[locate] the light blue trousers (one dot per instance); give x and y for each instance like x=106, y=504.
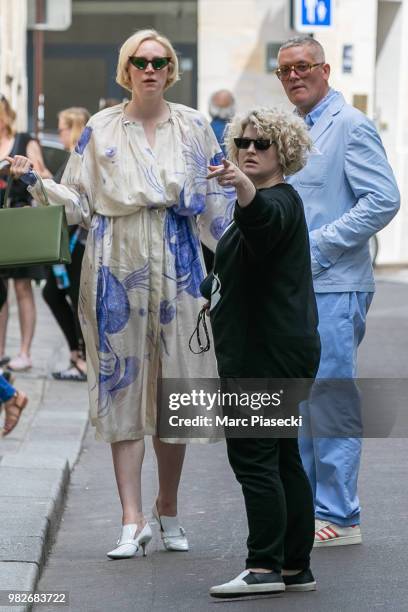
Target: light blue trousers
x=332, y=464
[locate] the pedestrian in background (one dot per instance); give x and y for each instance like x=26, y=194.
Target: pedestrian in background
x=349, y=193
x=12, y=143
x=222, y=110
x=11, y=400
x=264, y=320
x=61, y=291
x=108, y=102
x=137, y=180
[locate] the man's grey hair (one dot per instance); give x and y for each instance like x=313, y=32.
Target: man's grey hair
x=303, y=41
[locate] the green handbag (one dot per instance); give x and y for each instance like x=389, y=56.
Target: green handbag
x=33, y=235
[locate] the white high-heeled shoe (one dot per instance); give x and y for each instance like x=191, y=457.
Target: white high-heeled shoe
x=172, y=533
x=128, y=545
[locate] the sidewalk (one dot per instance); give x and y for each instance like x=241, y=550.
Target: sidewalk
x=36, y=458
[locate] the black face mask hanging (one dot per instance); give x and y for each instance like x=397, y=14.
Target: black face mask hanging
x=196, y=333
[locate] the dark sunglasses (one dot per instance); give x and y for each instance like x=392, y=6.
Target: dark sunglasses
x=141, y=63
x=260, y=144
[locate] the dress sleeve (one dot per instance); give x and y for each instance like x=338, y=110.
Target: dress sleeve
x=211, y=204
x=220, y=201
x=76, y=189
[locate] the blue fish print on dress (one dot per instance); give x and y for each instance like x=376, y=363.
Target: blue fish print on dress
x=112, y=314
x=219, y=224
x=193, y=195
x=186, y=248
x=99, y=226
x=167, y=312
x=217, y=159
x=115, y=374
x=196, y=204
x=84, y=138
x=195, y=191
x=110, y=152
x=152, y=180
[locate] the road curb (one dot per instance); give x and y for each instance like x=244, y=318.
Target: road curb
x=34, y=483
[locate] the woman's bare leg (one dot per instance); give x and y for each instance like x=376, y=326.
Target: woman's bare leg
x=26, y=313
x=170, y=458
x=127, y=462
x=3, y=328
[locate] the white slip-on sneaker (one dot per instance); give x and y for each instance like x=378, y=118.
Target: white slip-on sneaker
x=329, y=534
x=250, y=583
x=128, y=545
x=172, y=533
x=300, y=582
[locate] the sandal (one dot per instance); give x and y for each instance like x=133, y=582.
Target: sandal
x=73, y=373
x=13, y=409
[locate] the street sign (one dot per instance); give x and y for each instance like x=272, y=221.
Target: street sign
x=312, y=15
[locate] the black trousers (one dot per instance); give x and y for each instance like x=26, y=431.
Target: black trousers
x=66, y=312
x=278, y=500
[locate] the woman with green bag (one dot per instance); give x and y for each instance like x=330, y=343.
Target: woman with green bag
x=137, y=182
x=19, y=143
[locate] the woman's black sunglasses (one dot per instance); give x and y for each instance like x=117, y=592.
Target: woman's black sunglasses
x=141, y=63
x=260, y=144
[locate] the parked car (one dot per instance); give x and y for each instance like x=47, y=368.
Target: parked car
x=53, y=152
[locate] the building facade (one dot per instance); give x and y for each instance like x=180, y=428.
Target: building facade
x=221, y=44
x=238, y=41
x=13, y=67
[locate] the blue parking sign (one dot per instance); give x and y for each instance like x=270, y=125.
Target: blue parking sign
x=312, y=15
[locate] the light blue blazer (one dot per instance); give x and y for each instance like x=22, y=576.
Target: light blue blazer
x=349, y=193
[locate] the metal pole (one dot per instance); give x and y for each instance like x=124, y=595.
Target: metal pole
x=38, y=102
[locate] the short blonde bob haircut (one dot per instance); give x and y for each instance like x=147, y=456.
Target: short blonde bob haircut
x=286, y=130
x=129, y=48
x=7, y=115
x=75, y=119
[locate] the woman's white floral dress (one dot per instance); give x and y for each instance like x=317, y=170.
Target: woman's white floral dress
x=146, y=210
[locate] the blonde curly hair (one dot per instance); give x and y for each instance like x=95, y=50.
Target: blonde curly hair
x=288, y=132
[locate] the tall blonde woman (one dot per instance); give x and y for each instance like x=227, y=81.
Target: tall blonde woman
x=71, y=122
x=19, y=143
x=137, y=180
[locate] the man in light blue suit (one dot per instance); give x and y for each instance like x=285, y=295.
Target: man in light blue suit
x=349, y=193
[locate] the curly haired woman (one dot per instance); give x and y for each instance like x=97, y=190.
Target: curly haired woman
x=264, y=319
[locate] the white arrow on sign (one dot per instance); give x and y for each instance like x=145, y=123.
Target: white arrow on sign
x=321, y=11
x=310, y=10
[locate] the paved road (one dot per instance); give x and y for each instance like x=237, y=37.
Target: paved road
x=355, y=578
